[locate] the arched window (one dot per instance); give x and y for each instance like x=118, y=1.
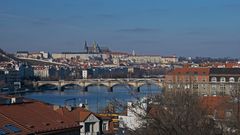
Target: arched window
x=214, y=79
x=231, y=79
x=222, y=79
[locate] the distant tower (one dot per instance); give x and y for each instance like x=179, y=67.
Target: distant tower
x=95, y=46
x=133, y=53
x=85, y=46
x=98, y=49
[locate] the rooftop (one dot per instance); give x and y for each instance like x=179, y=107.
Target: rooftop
x=233, y=71
x=35, y=116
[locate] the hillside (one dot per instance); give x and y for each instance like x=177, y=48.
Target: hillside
x=6, y=57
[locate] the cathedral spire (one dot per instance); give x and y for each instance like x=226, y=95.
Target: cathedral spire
x=85, y=46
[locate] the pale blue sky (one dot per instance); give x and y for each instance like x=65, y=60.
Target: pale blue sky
x=164, y=27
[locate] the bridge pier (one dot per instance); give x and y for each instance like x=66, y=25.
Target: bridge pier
x=60, y=88
x=85, y=89
x=35, y=86
x=136, y=89
x=110, y=89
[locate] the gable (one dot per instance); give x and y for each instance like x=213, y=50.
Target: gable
x=92, y=118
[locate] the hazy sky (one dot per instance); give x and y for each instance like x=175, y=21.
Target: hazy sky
x=164, y=27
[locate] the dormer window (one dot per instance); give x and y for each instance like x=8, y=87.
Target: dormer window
x=214, y=79
x=222, y=79
x=231, y=80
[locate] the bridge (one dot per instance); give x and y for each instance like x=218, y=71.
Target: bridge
x=133, y=83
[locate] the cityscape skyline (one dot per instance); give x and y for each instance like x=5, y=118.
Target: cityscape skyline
x=185, y=28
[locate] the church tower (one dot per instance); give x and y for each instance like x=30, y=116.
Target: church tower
x=86, y=47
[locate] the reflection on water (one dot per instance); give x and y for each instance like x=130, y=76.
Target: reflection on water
x=97, y=97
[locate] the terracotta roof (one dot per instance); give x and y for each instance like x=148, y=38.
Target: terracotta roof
x=104, y=117
x=183, y=71
x=37, y=117
x=77, y=114
x=216, y=104
x=6, y=121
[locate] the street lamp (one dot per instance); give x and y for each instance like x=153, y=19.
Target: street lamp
x=110, y=70
x=93, y=73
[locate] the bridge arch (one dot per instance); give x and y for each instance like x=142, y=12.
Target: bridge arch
x=63, y=87
x=85, y=88
x=141, y=83
x=125, y=85
x=149, y=87
x=49, y=86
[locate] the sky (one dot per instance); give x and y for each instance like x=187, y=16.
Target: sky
x=208, y=28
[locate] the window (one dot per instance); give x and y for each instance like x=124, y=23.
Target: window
x=3, y=132
x=222, y=79
x=195, y=78
x=222, y=87
x=204, y=79
x=87, y=127
x=12, y=128
x=214, y=87
x=228, y=114
x=231, y=80
x=239, y=79
x=214, y=79
x=104, y=126
x=187, y=86
x=195, y=86
x=187, y=78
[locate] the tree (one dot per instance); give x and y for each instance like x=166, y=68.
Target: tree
x=175, y=114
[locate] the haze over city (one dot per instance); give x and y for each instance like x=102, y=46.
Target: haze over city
x=184, y=28
x=119, y=67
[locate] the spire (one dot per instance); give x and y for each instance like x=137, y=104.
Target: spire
x=85, y=46
x=133, y=53
x=98, y=48
x=94, y=44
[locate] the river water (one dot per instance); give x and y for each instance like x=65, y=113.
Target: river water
x=96, y=98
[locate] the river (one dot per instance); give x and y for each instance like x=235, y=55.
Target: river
x=97, y=97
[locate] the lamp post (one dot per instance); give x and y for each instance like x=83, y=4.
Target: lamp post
x=110, y=70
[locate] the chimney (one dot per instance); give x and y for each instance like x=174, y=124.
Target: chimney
x=56, y=107
x=69, y=108
x=13, y=100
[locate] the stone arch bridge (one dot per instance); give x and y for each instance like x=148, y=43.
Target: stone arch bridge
x=134, y=83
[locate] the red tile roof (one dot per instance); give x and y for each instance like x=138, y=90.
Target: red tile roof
x=77, y=114
x=5, y=120
x=183, y=71
x=37, y=117
x=216, y=104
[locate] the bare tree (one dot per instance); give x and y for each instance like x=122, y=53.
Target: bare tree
x=175, y=114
